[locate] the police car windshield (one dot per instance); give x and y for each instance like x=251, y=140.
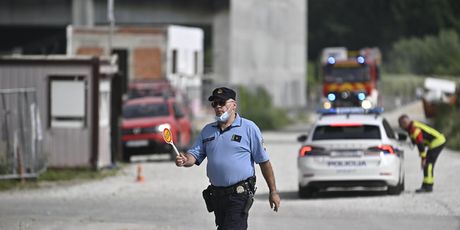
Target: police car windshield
x=145, y=110
x=349, y=74
x=327, y=132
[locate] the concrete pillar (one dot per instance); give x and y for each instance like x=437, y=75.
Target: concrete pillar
x=268, y=48
x=83, y=13
x=221, y=47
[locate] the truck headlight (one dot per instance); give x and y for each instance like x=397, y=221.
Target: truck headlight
x=161, y=127
x=366, y=104
x=327, y=105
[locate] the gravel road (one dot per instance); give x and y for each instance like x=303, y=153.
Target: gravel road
x=170, y=198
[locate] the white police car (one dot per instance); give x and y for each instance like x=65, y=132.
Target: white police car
x=350, y=148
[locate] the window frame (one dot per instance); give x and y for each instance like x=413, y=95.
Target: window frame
x=388, y=130
x=67, y=78
x=321, y=137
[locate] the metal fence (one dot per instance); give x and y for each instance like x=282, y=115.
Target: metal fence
x=21, y=137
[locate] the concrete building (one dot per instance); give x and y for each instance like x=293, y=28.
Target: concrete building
x=250, y=42
x=173, y=53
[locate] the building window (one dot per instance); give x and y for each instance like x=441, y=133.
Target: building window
x=174, y=61
x=67, y=101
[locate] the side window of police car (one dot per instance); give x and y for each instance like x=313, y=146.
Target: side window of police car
x=388, y=130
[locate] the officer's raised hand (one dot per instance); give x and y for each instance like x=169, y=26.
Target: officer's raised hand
x=181, y=160
x=185, y=160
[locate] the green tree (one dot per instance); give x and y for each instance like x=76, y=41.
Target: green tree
x=360, y=23
x=428, y=55
x=257, y=106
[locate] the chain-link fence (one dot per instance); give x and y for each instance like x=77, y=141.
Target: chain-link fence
x=21, y=137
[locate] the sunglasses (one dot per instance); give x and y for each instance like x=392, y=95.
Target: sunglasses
x=220, y=103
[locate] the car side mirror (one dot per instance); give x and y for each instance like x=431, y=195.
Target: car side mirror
x=302, y=138
x=402, y=136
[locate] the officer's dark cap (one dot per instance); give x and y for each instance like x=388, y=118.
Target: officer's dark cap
x=222, y=93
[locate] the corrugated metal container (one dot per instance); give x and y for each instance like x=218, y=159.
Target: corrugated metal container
x=69, y=94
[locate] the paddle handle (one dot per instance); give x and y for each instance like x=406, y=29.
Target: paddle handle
x=175, y=149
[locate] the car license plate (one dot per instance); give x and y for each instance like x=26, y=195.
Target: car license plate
x=346, y=153
x=139, y=143
x=345, y=171
x=346, y=164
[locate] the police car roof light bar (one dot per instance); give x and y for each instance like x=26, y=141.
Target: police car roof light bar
x=350, y=110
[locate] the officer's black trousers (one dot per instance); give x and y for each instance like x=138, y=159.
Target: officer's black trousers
x=428, y=170
x=229, y=212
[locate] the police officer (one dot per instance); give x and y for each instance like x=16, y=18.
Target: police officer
x=231, y=145
x=429, y=142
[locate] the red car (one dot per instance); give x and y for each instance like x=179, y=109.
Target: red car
x=143, y=122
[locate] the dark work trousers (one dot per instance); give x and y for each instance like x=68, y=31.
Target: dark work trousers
x=428, y=170
x=229, y=212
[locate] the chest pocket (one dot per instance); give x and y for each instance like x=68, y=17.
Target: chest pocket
x=209, y=144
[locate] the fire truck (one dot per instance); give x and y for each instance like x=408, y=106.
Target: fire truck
x=350, y=78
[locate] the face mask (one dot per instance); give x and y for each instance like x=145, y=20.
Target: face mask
x=223, y=118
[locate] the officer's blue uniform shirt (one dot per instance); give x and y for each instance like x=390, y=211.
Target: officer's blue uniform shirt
x=231, y=153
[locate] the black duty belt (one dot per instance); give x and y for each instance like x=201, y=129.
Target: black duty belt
x=238, y=188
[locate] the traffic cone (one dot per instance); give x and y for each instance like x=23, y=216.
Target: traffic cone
x=140, y=176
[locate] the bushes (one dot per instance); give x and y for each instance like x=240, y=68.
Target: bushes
x=400, y=84
x=257, y=106
x=429, y=55
x=449, y=124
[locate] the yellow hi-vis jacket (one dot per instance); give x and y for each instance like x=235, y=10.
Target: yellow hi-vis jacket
x=424, y=136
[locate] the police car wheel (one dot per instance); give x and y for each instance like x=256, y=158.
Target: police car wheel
x=403, y=187
x=307, y=191
x=396, y=190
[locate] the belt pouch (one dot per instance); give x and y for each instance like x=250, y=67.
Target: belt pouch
x=208, y=199
x=249, y=203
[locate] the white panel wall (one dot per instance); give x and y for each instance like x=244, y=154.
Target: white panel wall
x=188, y=42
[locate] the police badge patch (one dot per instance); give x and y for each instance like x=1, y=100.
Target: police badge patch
x=236, y=138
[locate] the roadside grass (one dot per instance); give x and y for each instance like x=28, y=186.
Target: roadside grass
x=406, y=84
x=59, y=176
x=403, y=85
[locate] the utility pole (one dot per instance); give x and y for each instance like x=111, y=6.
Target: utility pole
x=111, y=19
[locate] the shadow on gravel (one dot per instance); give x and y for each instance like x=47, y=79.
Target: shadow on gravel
x=293, y=195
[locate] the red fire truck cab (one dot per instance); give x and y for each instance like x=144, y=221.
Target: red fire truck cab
x=350, y=78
